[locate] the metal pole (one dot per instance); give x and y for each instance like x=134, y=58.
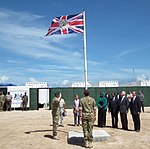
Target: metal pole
x=85, y=59
x=133, y=74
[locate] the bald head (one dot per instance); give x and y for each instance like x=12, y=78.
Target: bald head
x=123, y=93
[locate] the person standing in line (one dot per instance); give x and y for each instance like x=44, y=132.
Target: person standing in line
x=129, y=96
x=135, y=108
x=141, y=96
x=88, y=116
x=2, y=100
x=62, y=110
x=118, y=96
x=55, y=114
x=8, y=101
x=124, y=106
x=107, y=95
x=76, y=111
x=102, y=108
x=24, y=102
x=114, y=109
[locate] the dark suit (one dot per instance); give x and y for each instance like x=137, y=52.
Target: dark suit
x=114, y=109
x=135, y=108
x=124, y=105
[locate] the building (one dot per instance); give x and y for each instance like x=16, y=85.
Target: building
x=108, y=84
x=143, y=83
x=81, y=84
x=37, y=84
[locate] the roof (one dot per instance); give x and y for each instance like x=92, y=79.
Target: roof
x=7, y=84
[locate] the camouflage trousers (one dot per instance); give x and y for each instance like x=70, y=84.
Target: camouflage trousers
x=24, y=105
x=8, y=105
x=55, y=124
x=87, y=125
x=1, y=106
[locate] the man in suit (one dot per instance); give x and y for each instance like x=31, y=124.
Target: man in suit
x=113, y=107
x=135, y=108
x=124, y=106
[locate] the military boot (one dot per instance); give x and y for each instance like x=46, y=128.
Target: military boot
x=56, y=138
x=90, y=144
x=86, y=144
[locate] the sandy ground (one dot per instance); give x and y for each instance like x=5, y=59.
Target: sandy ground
x=33, y=130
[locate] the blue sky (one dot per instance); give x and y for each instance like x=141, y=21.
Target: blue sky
x=118, y=40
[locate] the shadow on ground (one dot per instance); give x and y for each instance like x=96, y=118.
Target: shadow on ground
x=34, y=131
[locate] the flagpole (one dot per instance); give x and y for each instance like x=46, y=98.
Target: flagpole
x=84, y=48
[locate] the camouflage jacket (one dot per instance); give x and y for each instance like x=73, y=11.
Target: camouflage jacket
x=2, y=98
x=87, y=107
x=25, y=98
x=55, y=106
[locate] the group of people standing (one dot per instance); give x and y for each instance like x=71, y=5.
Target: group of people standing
x=83, y=109
x=6, y=101
x=122, y=103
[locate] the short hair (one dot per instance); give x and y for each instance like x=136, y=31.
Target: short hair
x=57, y=93
x=113, y=93
x=86, y=93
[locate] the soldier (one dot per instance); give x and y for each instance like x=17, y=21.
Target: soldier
x=24, y=102
x=8, y=101
x=55, y=114
x=88, y=116
x=2, y=100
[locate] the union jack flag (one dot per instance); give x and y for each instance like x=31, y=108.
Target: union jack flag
x=67, y=24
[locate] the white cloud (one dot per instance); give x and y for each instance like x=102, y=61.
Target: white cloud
x=126, y=52
x=143, y=77
x=24, y=38
x=3, y=78
x=33, y=80
x=65, y=83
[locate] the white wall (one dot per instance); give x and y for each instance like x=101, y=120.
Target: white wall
x=44, y=96
x=17, y=92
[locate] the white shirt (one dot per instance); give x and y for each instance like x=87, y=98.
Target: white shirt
x=134, y=98
x=76, y=104
x=114, y=99
x=122, y=98
x=62, y=103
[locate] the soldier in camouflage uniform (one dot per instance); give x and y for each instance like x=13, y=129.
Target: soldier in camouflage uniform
x=2, y=100
x=24, y=102
x=8, y=100
x=55, y=114
x=88, y=116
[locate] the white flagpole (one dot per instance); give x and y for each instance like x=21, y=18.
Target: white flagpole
x=84, y=47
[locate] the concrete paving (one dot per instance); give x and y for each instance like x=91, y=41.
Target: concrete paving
x=76, y=137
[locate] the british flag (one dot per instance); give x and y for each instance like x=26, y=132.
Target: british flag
x=67, y=24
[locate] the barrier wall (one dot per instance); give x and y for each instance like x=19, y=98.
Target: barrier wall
x=69, y=93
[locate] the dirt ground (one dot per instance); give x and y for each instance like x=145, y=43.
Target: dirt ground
x=33, y=130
